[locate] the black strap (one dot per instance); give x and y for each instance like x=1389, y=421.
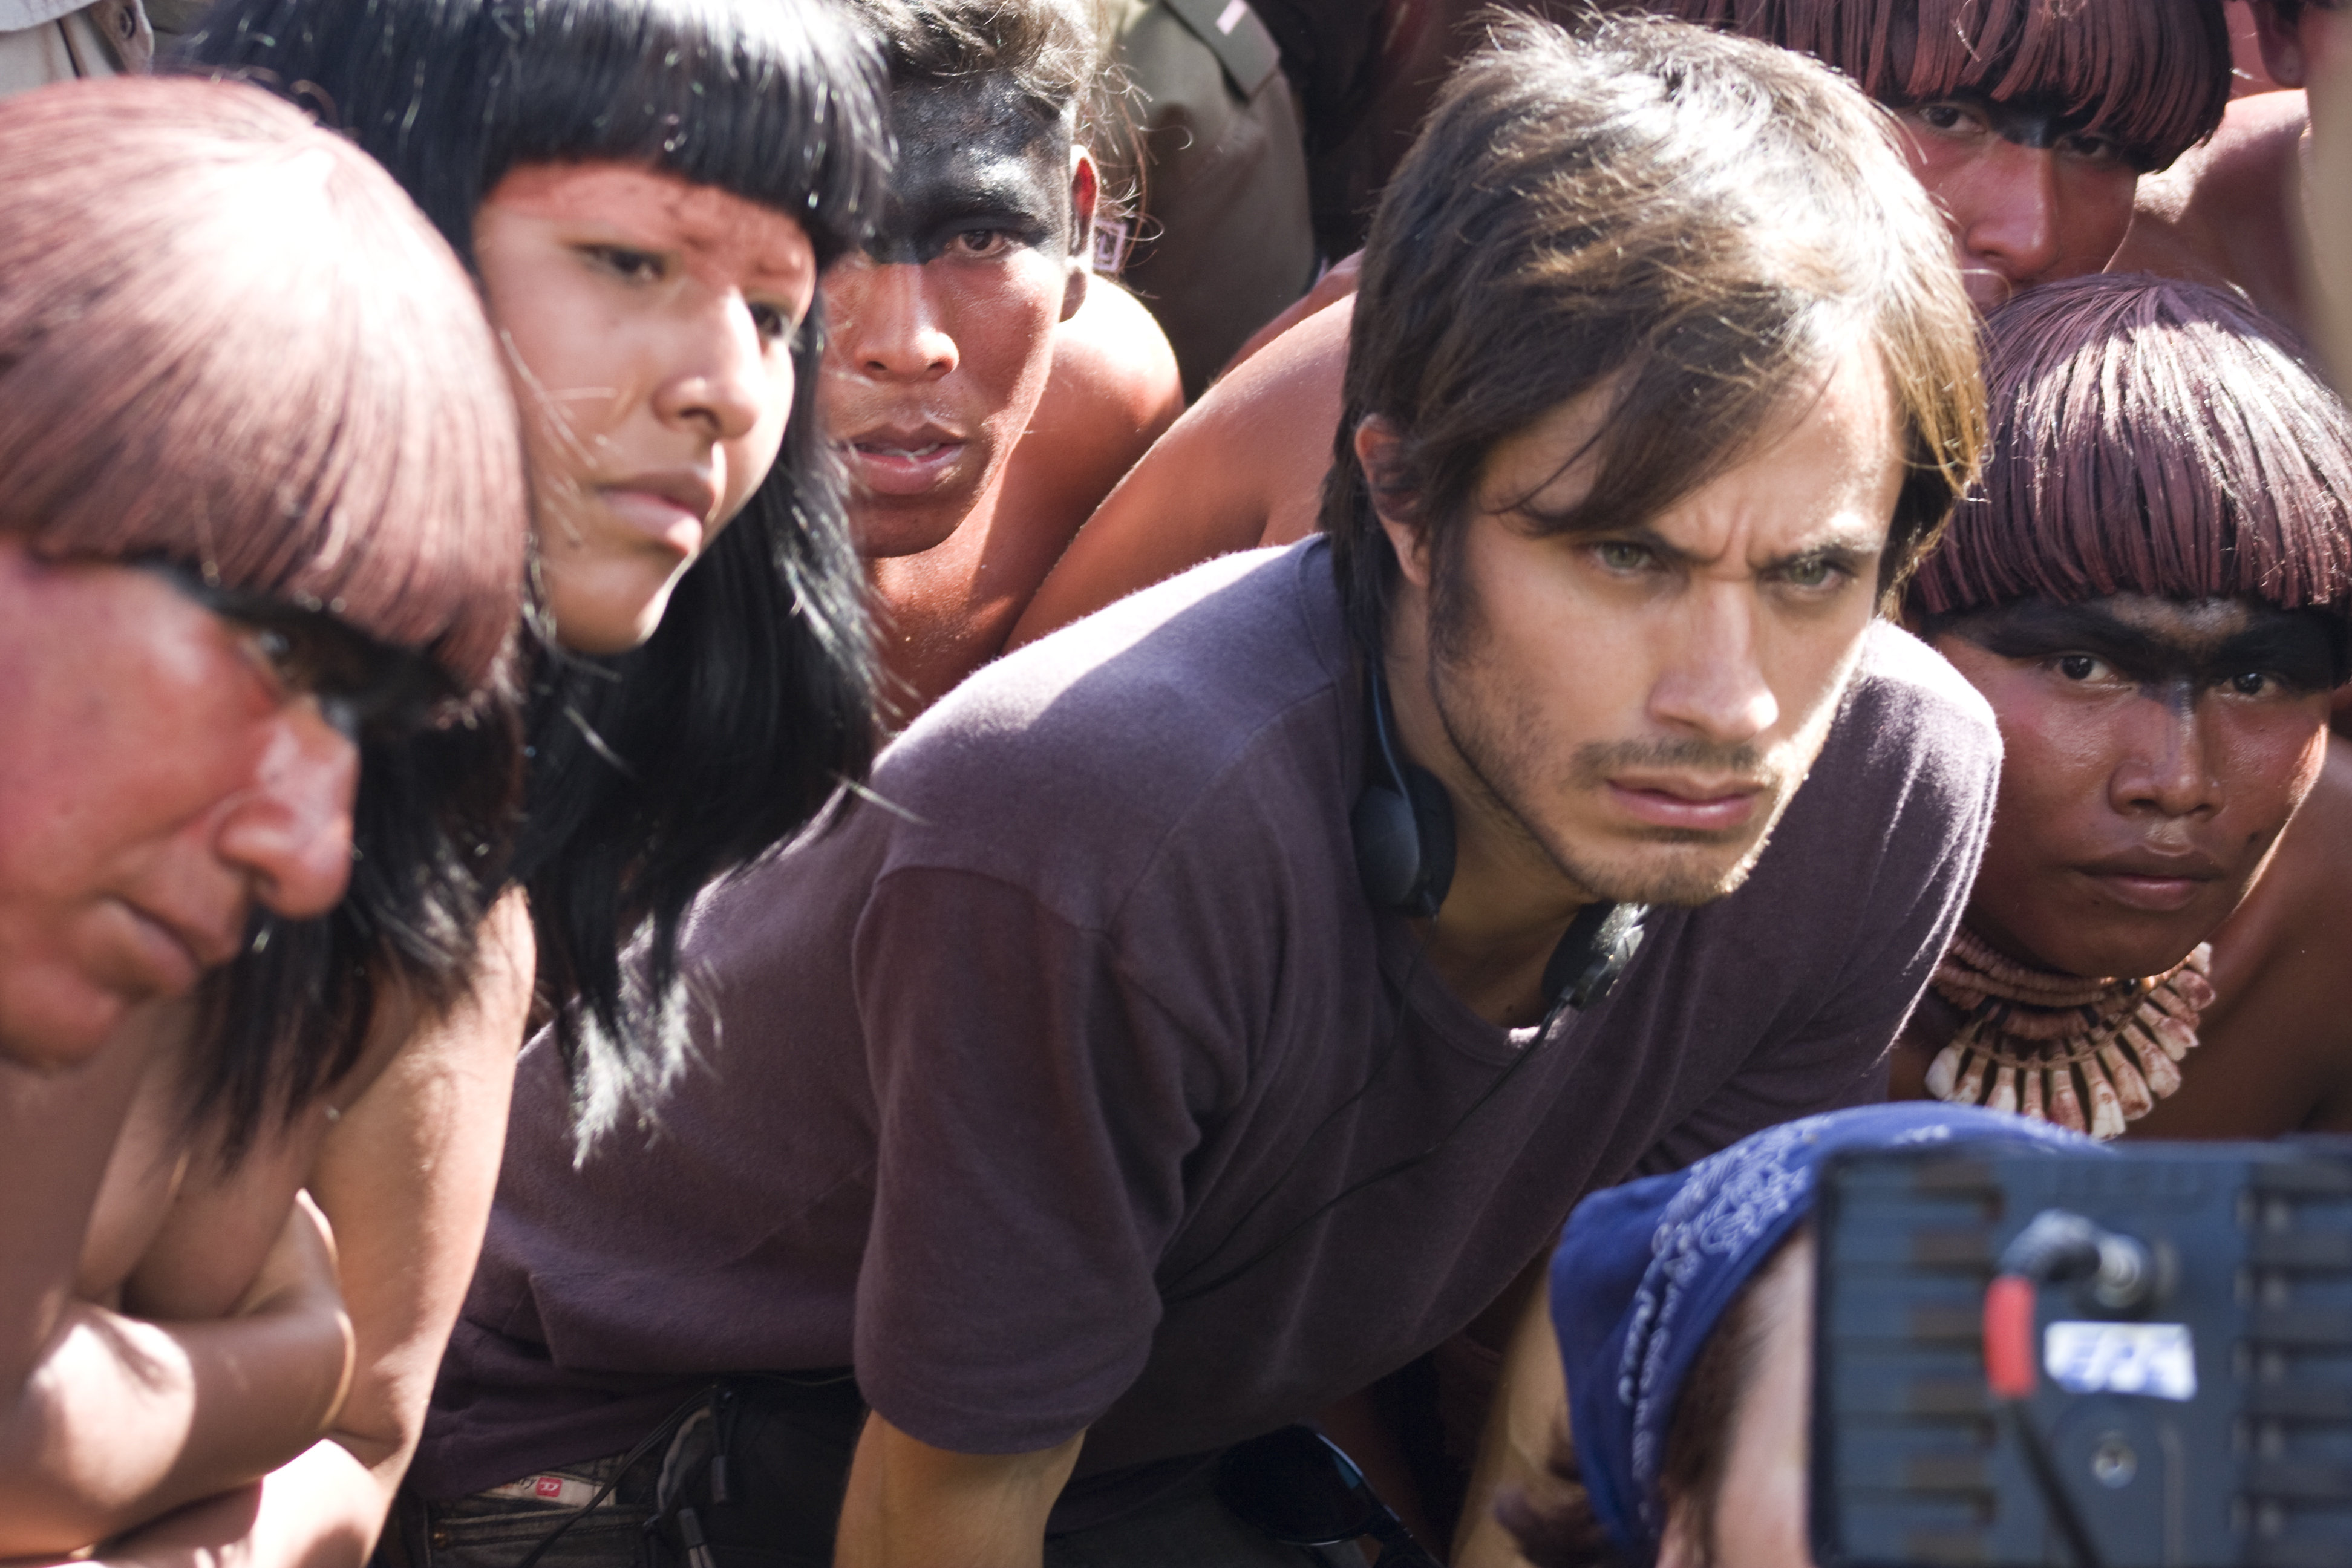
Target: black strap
x=1234, y=33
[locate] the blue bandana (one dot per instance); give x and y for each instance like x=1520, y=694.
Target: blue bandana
x=1645, y=1270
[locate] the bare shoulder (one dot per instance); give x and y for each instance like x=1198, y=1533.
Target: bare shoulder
x=2224, y=213
x=1244, y=465
x=2277, y=1043
x=1282, y=409
x=1112, y=364
x=223, y=1217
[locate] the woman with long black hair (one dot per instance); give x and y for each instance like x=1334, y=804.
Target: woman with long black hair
x=646, y=192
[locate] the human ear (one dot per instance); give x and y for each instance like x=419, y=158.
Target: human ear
x=1378, y=446
x=1085, y=186
x=2282, y=45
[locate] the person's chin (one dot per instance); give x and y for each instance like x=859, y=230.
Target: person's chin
x=611, y=611
x=2096, y=944
x=886, y=528
x=54, y=1022
x=1662, y=865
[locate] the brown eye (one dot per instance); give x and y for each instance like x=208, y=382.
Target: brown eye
x=2252, y=683
x=774, y=323
x=983, y=242
x=2091, y=149
x=2077, y=666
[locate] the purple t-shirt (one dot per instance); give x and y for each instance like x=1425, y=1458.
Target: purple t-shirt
x=1032, y=1089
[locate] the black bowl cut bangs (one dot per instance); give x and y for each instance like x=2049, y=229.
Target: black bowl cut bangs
x=778, y=101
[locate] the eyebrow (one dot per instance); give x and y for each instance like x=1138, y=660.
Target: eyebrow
x=1839, y=548
x=2276, y=641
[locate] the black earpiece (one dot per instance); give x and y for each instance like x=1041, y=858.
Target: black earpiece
x=1404, y=829
x=1404, y=822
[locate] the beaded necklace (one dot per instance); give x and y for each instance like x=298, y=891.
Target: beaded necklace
x=2041, y=1045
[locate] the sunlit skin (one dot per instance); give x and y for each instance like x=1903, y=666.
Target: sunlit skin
x=2030, y=196
x=942, y=331
x=2232, y=211
x=984, y=394
x=2159, y=758
x=1732, y=621
x=648, y=326
x=123, y=881
x=1760, y=1509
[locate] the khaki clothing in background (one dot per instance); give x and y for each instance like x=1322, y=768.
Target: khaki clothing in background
x=42, y=41
x=1223, y=241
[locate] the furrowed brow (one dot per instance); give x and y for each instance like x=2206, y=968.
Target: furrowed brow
x=1837, y=550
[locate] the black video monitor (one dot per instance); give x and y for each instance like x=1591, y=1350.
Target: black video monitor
x=2126, y=1359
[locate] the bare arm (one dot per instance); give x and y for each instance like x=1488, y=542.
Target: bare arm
x=1523, y=1427
x=910, y=1505
x=407, y=1176
x=109, y=1418
x=1243, y=466
x=125, y=1419
x=2328, y=40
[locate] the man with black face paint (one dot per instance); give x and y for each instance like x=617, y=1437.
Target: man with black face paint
x=984, y=391
x=2143, y=946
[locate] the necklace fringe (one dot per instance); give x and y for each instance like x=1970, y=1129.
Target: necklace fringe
x=2049, y=1045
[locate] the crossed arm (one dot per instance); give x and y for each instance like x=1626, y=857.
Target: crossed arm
x=294, y=1418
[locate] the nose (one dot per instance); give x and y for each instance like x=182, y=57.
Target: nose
x=1712, y=685
x=289, y=829
x=2164, y=768
x=885, y=323
x=718, y=379
x=2005, y=219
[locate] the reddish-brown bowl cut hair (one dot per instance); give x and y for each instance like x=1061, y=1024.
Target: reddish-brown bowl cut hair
x=2150, y=437
x=2152, y=74
x=228, y=337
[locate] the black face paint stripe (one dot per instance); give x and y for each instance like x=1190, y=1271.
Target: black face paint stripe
x=2032, y=122
x=973, y=156
x=2302, y=647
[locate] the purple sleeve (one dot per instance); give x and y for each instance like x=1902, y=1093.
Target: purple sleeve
x=1034, y=1112
x=1926, y=857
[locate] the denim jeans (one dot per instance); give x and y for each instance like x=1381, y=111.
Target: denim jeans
x=1188, y=1530
x=497, y=1528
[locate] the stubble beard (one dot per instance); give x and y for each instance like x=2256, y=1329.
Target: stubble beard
x=1500, y=743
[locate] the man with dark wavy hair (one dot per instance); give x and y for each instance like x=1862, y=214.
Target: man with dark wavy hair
x=1209, y=1009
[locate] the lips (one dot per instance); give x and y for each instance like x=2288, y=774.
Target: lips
x=2159, y=884
x=670, y=508
x=176, y=951
x=1689, y=805
x=900, y=460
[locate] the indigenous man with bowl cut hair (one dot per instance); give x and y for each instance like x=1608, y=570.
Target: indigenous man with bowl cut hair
x=262, y=524
x=984, y=391
x=1210, y=1010
x=2152, y=590
x=2030, y=122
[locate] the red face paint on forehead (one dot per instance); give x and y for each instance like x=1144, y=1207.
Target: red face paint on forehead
x=717, y=232
x=650, y=323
